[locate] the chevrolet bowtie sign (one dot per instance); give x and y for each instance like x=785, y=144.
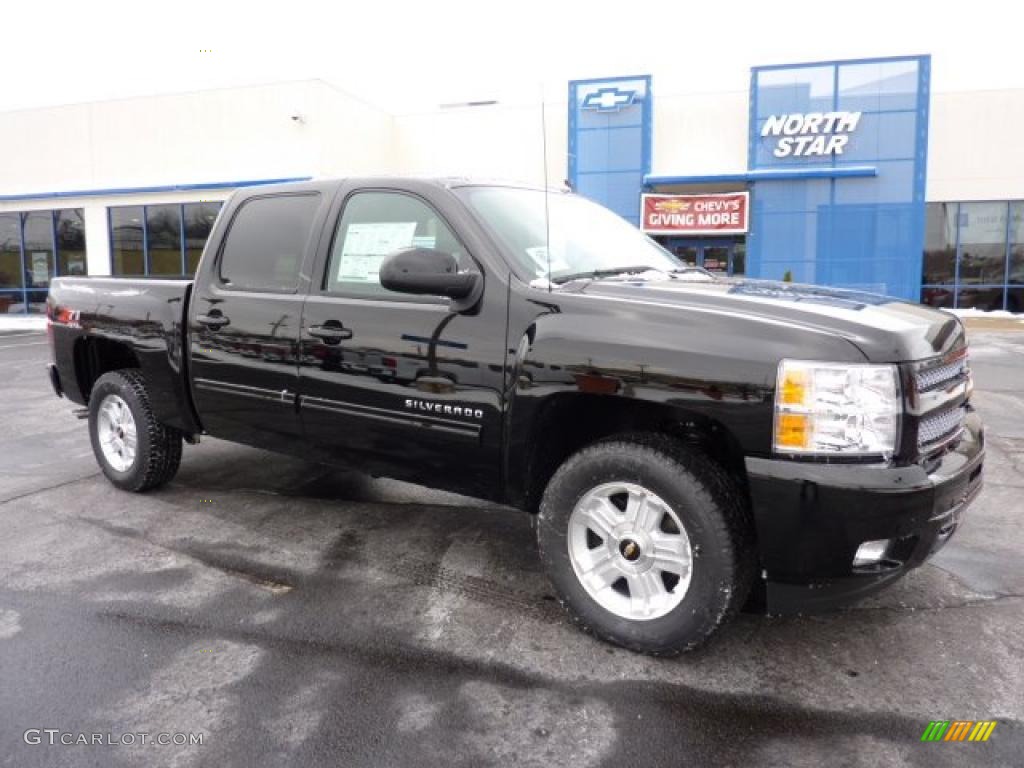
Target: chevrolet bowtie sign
x=811, y=134
x=608, y=100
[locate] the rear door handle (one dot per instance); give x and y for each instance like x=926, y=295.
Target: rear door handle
x=212, y=320
x=331, y=332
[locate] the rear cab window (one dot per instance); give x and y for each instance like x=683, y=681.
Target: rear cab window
x=266, y=243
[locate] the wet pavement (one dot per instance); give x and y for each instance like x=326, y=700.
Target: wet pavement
x=298, y=615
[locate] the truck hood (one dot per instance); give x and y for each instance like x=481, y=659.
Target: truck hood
x=886, y=330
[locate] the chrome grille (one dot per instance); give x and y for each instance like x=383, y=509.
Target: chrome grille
x=942, y=374
x=941, y=426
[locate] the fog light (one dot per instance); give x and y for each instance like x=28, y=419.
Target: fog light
x=870, y=552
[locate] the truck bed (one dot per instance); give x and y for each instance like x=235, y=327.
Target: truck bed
x=146, y=314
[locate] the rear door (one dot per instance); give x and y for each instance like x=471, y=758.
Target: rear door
x=245, y=315
x=396, y=384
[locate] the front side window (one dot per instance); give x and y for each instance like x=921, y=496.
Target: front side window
x=266, y=243
x=566, y=232
x=375, y=224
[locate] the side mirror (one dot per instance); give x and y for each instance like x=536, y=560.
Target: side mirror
x=427, y=271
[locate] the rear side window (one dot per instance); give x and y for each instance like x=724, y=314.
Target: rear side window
x=266, y=242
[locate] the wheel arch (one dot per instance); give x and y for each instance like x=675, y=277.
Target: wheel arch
x=563, y=423
x=95, y=356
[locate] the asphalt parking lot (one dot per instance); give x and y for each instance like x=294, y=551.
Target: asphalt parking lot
x=296, y=615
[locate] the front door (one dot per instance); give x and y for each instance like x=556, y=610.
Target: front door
x=395, y=384
x=244, y=321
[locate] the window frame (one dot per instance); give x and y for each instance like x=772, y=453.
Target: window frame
x=215, y=268
x=321, y=285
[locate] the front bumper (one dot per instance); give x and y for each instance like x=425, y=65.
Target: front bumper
x=811, y=519
x=54, y=375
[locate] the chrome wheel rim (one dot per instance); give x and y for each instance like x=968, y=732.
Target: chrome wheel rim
x=630, y=551
x=117, y=433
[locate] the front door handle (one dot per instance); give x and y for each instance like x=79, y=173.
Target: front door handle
x=331, y=332
x=212, y=320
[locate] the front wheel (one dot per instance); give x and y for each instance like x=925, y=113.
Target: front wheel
x=134, y=450
x=647, y=542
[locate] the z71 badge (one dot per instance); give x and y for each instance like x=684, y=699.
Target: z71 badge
x=443, y=409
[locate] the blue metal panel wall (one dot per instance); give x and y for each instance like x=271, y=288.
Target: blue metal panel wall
x=864, y=233
x=610, y=130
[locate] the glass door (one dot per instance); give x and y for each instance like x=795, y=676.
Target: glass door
x=720, y=255
x=715, y=258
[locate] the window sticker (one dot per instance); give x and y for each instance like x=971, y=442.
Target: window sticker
x=40, y=266
x=367, y=243
x=539, y=254
x=424, y=241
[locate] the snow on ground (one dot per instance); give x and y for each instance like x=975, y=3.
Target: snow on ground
x=22, y=322
x=997, y=313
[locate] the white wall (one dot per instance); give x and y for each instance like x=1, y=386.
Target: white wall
x=700, y=133
x=497, y=141
x=207, y=136
x=975, y=150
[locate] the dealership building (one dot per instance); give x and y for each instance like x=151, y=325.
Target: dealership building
x=856, y=174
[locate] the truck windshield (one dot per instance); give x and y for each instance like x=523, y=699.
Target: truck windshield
x=586, y=239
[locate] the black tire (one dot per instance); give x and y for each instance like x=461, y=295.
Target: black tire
x=710, y=507
x=158, y=450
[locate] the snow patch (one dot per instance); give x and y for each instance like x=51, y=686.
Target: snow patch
x=22, y=322
x=10, y=624
x=984, y=313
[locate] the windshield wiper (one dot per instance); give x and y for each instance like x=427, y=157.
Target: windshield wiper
x=676, y=274
x=599, y=273
x=684, y=270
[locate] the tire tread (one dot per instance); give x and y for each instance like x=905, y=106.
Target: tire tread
x=716, y=487
x=163, y=456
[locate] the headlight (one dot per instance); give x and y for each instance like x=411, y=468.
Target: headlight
x=836, y=409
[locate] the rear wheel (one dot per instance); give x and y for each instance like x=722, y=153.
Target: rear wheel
x=133, y=449
x=647, y=542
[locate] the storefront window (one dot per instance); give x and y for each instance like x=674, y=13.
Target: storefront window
x=163, y=237
x=37, y=247
x=1015, y=299
x=147, y=240
x=983, y=243
x=38, y=234
x=127, y=249
x=70, y=232
x=10, y=251
x=940, y=244
x=1015, y=273
x=10, y=264
x=974, y=256
x=199, y=218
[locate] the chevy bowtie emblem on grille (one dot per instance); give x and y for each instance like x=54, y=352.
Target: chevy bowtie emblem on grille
x=608, y=100
x=443, y=409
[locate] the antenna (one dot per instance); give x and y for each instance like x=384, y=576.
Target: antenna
x=544, y=150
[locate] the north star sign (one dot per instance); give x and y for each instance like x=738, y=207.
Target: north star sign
x=811, y=134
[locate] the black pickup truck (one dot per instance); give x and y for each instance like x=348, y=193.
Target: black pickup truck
x=688, y=443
